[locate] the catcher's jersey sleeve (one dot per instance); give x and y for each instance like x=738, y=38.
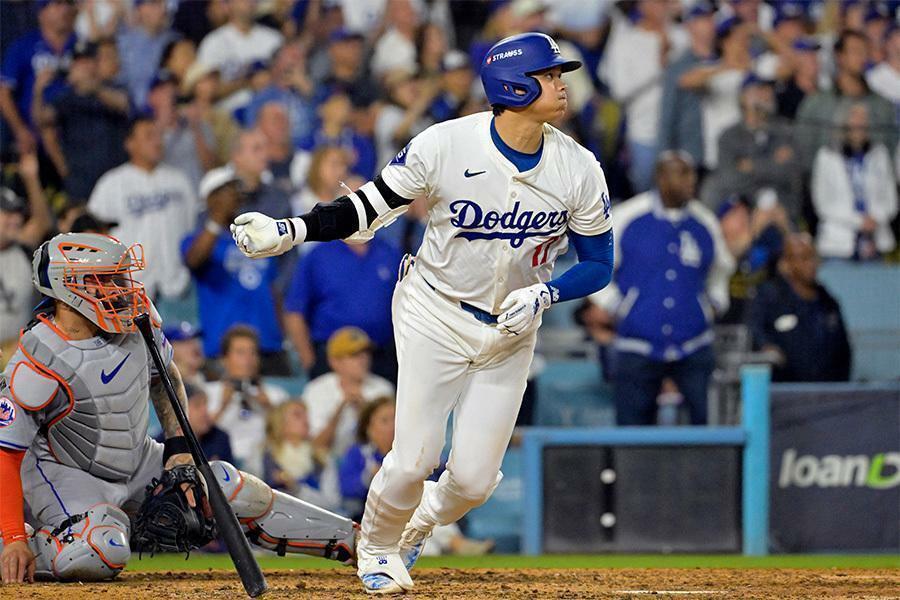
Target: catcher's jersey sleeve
x=412, y=172
x=18, y=420
x=591, y=211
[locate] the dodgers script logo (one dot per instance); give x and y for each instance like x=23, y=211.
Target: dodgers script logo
x=7, y=412
x=512, y=225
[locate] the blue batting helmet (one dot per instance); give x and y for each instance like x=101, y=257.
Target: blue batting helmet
x=507, y=68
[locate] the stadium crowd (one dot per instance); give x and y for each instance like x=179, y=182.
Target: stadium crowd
x=744, y=141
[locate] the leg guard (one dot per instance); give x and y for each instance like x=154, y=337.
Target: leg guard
x=91, y=546
x=282, y=523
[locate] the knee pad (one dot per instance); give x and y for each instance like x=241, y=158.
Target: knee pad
x=276, y=521
x=91, y=546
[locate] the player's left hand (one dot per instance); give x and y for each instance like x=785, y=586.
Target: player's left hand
x=522, y=307
x=260, y=236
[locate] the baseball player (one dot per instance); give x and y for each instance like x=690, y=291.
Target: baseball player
x=506, y=193
x=74, y=444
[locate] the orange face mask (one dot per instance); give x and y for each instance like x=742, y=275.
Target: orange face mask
x=113, y=293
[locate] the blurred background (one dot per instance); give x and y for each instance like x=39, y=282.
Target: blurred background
x=158, y=121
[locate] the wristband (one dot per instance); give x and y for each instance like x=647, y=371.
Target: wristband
x=298, y=230
x=175, y=445
x=213, y=227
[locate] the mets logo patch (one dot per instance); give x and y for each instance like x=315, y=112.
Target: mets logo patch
x=7, y=412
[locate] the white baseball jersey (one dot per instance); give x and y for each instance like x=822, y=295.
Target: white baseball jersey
x=493, y=229
x=157, y=209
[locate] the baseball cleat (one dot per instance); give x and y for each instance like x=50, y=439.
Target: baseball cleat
x=384, y=574
x=412, y=543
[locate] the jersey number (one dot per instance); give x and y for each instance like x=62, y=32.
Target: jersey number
x=542, y=251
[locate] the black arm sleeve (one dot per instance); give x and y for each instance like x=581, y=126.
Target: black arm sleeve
x=338, y=220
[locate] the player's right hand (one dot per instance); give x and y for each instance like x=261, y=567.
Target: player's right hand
x=258, y=235
x=17, y=562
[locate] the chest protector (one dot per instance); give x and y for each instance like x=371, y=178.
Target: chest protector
x=97, y=419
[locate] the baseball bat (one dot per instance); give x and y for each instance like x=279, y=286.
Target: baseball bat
x=229, y=529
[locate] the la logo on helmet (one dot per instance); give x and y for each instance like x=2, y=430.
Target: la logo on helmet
x=554, y=47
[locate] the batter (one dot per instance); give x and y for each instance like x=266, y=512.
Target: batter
x=506, y=193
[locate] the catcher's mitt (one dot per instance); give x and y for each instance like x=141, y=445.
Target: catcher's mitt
x=166, y=522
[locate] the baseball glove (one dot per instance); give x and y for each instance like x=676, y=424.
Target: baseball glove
x=166, y=522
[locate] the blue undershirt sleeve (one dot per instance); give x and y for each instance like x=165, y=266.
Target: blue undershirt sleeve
x=593, y=271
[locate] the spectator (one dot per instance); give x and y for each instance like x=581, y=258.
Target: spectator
x=19, y=236
x=324, y=296
x=884, y=78
x=99, y=19
x=796, y=319
x=854, y=191
x=374, y=438
x=396, y=48
x=633, y=66
x=290, y=87
x=153, y=204
x=756, y=153
x=327, y=169
x=187, y=352
x=815, y=117
x=454, y=99
x=335, y=114
x=141, y=46
x=232, y=288
x=249, y=159
x=720, y=82
x=681, y=117
x=201, y=85
x=215, y=443
x=404, y=115
x=287, y=165
x=431, y=48
x=109, y=65
x=754, y=237
x=293, y=463
x=178, y=58
x=240, y=401
x=347, y=68
x=876, y=24
x=49, y=47
x=335, y=399
x=803, y=80
x=188, y=140
x=671, y=279
x=84, y=128
x=790, y=24
x=233, y=47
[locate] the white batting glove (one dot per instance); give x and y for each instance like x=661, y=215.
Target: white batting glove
x=522, y=307
x=258, y=235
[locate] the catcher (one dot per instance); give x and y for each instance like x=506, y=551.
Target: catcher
x=74, y=445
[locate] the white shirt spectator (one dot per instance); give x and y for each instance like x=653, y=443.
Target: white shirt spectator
x=245, y=428
x=833, y=199
x=231, y=51
x=16, y=292
x=393, y=51
x=362, y=15
x=721, y=110
x=156, y=209
x=884, y=81
x=633, y=71
x=323, y=396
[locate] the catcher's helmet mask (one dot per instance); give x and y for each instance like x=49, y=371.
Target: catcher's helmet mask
x=508, y=69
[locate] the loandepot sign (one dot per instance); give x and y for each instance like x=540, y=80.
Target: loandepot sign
x=880, y=471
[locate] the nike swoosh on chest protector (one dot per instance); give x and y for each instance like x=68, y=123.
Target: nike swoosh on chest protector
x=107, y=378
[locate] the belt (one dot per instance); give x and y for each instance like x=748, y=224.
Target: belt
x=480, y=315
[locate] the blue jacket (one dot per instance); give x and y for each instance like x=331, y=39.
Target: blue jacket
x=671, y=277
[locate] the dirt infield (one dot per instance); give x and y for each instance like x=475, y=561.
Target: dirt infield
x=497, y=584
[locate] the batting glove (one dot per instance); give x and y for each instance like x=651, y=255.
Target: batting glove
x=522, y=307
x=258, y=235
